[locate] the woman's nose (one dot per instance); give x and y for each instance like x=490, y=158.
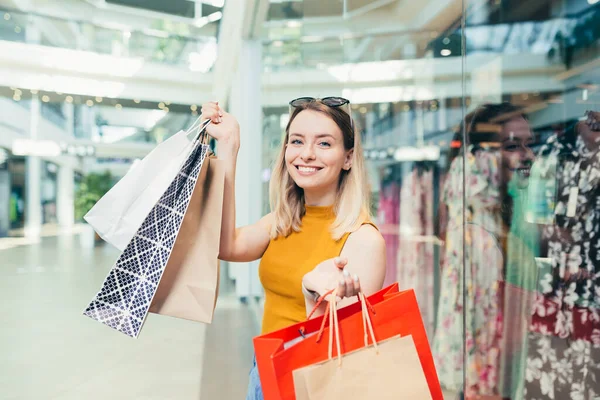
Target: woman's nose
x=307, y=153
x=527, y=153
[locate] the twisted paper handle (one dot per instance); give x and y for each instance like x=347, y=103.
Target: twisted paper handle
x=335, y=326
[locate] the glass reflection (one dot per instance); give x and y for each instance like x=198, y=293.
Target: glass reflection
x=484, y=193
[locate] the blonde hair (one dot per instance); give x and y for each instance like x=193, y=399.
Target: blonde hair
x=352, y=205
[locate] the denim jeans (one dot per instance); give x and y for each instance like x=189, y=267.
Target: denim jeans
x=254, y=388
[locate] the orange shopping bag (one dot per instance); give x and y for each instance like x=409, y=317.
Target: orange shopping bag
x=395, y=313
x=382, y=370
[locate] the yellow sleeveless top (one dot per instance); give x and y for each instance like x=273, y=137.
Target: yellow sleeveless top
x=287, y=260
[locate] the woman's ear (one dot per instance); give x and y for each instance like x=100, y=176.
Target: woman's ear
x=348, y=160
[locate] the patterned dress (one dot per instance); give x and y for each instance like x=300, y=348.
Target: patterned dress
x=481, y=268
x=563, y=359
x=416, y=266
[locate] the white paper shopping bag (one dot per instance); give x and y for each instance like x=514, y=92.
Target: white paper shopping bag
x=120, y=212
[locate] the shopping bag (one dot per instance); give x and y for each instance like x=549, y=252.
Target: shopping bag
x=126, y=294
x=189, y=286
x=122, y=210
x=281, y=352
x=384, y=370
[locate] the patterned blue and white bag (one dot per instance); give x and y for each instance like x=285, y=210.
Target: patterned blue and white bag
x=126, y=294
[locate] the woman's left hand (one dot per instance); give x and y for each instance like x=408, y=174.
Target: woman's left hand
x=328, y=275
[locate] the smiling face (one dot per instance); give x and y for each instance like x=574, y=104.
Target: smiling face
x=516, y=139
x=315, y=155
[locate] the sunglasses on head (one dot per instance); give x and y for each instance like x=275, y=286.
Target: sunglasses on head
x=332, y=101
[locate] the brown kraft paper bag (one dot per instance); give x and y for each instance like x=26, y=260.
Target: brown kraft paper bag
x=389, y=370
x=189, y=286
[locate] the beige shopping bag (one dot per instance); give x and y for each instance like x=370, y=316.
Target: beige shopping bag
x=389, y=370
x=190, y=283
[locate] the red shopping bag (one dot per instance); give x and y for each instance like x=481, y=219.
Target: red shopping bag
x=279, y=353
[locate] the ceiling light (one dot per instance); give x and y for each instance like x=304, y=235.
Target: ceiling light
x=34, y=91
x=445, y=52
x=45, y=98
x=214, y=3
x=278, y=43
x=16, y=97
x=89, y=103
x=294, y=24
x=194, y=112
x=6, y=16
x=59, y=93
x=30, y=147
x=69, y=99
x=136, y=101
x=167, y=103
x=18, y=92
x=313, y=39
x=118, y=106
x=592, y=2
x=17, y=29
x=194, y=107
x=166, y=109
x=99, y=99
x=161, y=105
x=446, y=40
x=363, y=110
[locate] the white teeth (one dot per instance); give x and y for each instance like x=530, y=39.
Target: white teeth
x=307, y=169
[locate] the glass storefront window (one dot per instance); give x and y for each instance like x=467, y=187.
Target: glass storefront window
x=486, y=188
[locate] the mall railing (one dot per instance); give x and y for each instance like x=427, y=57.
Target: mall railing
x=314, y=52
x=197, y=53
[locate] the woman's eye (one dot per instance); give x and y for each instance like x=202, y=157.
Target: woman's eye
x=325, y=144
x=296, y=141
x=511, y=147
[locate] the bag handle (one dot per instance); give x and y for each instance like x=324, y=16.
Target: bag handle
x=335, y=326
x=200, y=132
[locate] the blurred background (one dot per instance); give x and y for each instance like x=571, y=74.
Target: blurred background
x=89, y=87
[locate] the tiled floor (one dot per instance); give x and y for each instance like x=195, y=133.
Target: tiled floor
x=50, y=351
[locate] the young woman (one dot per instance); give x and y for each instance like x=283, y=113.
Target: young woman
x=318, y=235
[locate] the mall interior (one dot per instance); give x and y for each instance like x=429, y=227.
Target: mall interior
x=503, y=255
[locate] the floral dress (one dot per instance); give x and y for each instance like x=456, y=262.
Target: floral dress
x=481, y=268
x=563, y=359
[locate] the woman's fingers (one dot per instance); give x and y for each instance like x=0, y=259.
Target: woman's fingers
x=349, y=283
x=341, y=290
x=356, y=284
x=212, y=111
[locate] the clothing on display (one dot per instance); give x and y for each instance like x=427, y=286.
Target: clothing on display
x=388, y=220
x=480, y=268
x=416, y=253
x=522, y=249
x=563, y=358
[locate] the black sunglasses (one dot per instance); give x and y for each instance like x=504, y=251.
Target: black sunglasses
x=328, y=101
x=332, y=101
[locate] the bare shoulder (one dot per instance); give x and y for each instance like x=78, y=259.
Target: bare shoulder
x=365, y=251
x=367, y=237
x=267, y=221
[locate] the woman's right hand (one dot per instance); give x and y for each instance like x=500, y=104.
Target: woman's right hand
x=224, y=127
